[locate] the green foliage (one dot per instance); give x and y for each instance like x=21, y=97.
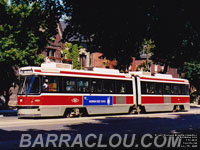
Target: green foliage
x=147, y=46
x=75, y=57
x=106, y=28
x=72, y=52
x=25, y=29
x=67, y=50
x=192, y=73
x=115, y=29
x=144, y=66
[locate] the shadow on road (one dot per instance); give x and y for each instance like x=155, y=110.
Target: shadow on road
x=139, y=126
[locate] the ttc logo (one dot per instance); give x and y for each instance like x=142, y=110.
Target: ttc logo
x=75, y=100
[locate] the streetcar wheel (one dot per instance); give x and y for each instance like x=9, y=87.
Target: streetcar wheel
x=143, y=110
x=67, y=113
x=177, y=108
x=182, y=108
x=83, y=112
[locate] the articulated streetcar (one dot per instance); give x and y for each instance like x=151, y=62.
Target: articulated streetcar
x=54, y=90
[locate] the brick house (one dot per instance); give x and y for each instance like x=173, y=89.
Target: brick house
x=103, y=63
x=90, y=60
x=53, y=52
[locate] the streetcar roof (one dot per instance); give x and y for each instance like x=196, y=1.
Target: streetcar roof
x=146, y=76
x=59, y=69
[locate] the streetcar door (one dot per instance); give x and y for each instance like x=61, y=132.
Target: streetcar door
x=138, y=90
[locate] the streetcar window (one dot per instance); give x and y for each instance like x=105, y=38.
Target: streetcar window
x=143, y=88
x=150, y=88
x=167, y=88
x=108, y=86
x=164, y=88
x=184, y=89
x=120, y=87
x=129, y=87
x=179, y=89
x=35, y=85
x=96, y=86
x=158, y=88
x=176, y=89
x=124, y=87
x=51, y=84
x=69, y=84
x=21, y=85
x=29, y=85
x=83, y=85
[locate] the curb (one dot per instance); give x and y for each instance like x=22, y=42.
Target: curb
x=8, y=113
x=195, y=105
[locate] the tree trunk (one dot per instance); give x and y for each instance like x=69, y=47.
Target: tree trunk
x=7, y=97
x=147, y=59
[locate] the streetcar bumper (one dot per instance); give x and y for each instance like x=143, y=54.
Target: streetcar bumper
x=29, y=111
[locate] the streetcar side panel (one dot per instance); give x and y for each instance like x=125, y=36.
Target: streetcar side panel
x=161, y=95
x=59, y=97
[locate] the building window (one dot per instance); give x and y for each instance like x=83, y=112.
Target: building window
x=48, y=52
x=53, y=52
x=83, y=60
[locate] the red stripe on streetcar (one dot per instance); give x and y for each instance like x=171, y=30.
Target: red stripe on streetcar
x=180, y=99
x=51, y=100
x=114, y=99
x=129, y=99
x=82, y=73
x=161, y=79
x=91, y=74
x=152, y=99
x=36, y=70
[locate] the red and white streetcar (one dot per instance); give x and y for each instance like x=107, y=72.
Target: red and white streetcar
x=57, y=90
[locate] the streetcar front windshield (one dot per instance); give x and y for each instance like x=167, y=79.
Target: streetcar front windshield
x=29, y=85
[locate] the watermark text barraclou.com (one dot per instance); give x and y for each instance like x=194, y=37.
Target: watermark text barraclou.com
x=92, y=140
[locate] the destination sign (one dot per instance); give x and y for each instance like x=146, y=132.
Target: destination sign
x=97, y=100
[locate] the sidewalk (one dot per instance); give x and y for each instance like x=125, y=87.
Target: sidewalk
x=194, y=105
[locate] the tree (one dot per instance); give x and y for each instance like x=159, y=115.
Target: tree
x=66, y=50
x=117, y=28
x=72, y=52
x=146, y=49
x=144, y=66
x=192, y=73
x=175, y=30
x=25, y=29
x=111, y=28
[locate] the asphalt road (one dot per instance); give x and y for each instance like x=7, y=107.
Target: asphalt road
x=102, y=131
